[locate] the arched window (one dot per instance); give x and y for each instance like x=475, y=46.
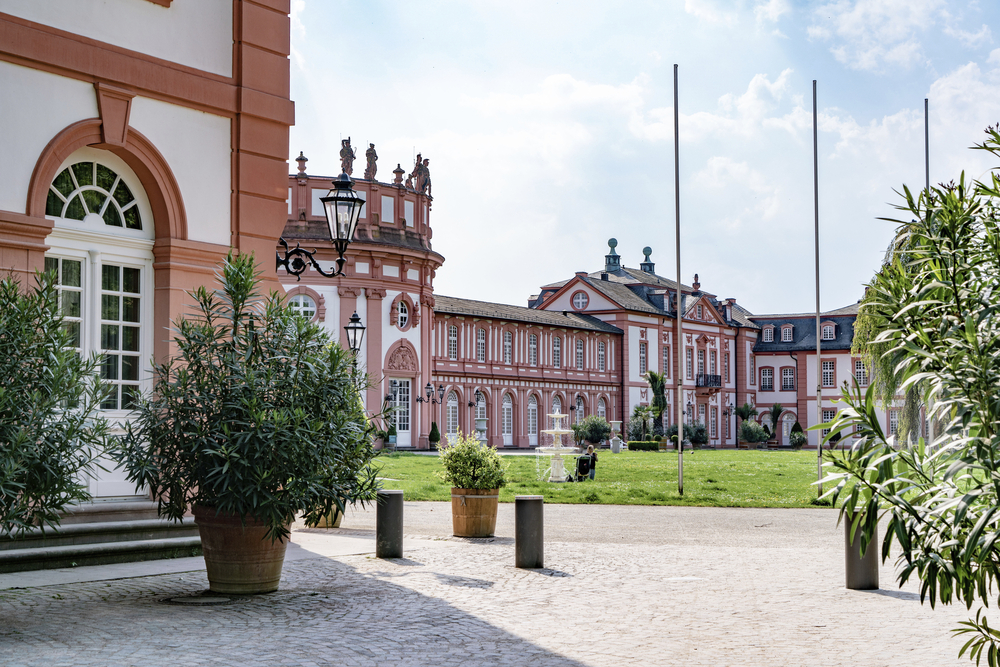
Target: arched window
x=481, y=407
x=828, y=332
x=557, y=352
x=579, y=409
x=768, y=334
x=532, y=350
x=404, y=314
x=453, y=342
x=481, y=345
x=507, y=420
x=786, y=334
x=91, y=188
x=451, y=421
x=532, y=415
x=602, y=410
x=508, y=347
x=303, y=305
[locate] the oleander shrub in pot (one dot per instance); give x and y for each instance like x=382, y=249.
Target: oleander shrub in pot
x=476, y=474
x=256, y=419
x=595, y=430
x=51, y=434
x=797, y=438
x=752, y=432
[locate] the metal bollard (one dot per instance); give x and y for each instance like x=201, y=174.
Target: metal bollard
x=529, y=534
x=862, y=573
x=389, y=524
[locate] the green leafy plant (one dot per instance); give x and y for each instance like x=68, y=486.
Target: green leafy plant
x=435, y=434
x=751, y=431
x=746, y=411
x=933, y=305
x=259, y=414
x=51, y=434
x=643, y=446
x=658, y=385
x=469, y=464
x=797, y=439
x=775, y=413
x=594, y=429
x=695, y=433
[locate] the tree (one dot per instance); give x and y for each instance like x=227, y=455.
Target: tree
x=746, y=411
x=775, y=412
x=934, y=305
x=51, y=434
x=658, y=386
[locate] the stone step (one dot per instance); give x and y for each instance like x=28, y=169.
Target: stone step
x=96, y=533
x=117, y=509
x=47, y=558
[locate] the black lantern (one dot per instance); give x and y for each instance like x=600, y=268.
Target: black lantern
x=429, y=393
x=394, y=389
x=342, y=207
x=355, y=332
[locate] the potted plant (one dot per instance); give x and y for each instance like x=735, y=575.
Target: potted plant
x=796, y=438
x=434, y=437
x=257, y=419
x=745, y=412
x=751, y=432
x=594, y=430
x=390, y=438
x=476, y=474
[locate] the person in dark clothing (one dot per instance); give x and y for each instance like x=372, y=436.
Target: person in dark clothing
x=593, y=460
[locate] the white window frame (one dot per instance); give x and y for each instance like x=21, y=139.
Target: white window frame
x=579, y=355
x=532, y=349
x=860, y=372
x=508, y=347
x=689, y=362
x=786, y=334
x=453, y=342
x=768, y=334
x=828, y=332
x=402, y=314
x=451, y=415
x=557, y=352
x=602, y=409
x=767, y=379
x=579, y=409
x=642, y=359
x=829, y=369
x=787, y=379
x=601, y=352
x=481, y=345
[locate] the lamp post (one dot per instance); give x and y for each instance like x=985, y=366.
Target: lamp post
x=727, y=412
x=355, y=331
x=342, y=207
x=429, y=393
x=480, y=421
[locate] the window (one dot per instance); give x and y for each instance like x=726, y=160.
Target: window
x=481, y=345
x=828, y=416
x=860, y=372
x=453, y=342
x=786, y=334
x=893, y=422
x=701, y=362
x=481, y=407
x=91, y=188
x=532, y=416
x=533, y=350
x=507, y=418
x=828, y=332
x=404, y=314
x=580, y=300
x=767, y=379
x=556, y=410
x=579, y=355
x=579, y=409
x=688, y=356
x=725, y=369
x=602, y=409
x=829, y=374
x=712, y=362
x=387, y=214
x=768, y=334
x=753, y=371
x=728, y=432
x=701, y=413
x=508, y=347
x=642, y=359
x=451, y=420
x=600, y=357
x=713, y=428
x=303, y=305
x=557, y=352
x=699, y=312
x=665, y=368
x=787, y=379
x=402, y=411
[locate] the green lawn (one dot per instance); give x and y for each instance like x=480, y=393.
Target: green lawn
x=711, y=478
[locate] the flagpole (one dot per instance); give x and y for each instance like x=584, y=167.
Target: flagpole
x=679, y=344
x=819, y=360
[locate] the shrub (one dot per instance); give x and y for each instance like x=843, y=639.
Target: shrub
x=50, y=432
x=751, y=431
x=636, y=428
x=643, y=446
x=797, y=438
x=435, y=434
x=259, y=414
x=469, y=464
x=796, y=428
x=595, y=429
x=695, y=433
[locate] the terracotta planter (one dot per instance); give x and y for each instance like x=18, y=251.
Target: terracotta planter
x=332, y=520
x=239, y=559
x=474, y=512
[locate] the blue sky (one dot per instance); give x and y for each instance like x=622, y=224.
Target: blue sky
x=549, y=129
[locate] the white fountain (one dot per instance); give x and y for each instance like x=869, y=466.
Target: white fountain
x=557, y=449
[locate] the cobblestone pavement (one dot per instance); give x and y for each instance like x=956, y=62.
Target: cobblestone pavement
x=623, y=586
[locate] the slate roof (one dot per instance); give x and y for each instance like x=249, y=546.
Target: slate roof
x=804, y=331
x=455, y=306
x=625, y=297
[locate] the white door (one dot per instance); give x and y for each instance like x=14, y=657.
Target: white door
x=507, y=421
x=402, y=413
x=533, y=421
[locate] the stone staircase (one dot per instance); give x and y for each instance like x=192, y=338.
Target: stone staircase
x=120, y=530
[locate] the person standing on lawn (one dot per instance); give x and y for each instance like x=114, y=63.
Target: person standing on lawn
x=593, y=460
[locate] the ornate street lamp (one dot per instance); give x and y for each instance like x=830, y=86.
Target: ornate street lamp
x=342, y=207
x=429, y=392
x=355, y=333
x=394, y=389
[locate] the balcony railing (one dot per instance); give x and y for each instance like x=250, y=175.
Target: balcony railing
x=711, y=381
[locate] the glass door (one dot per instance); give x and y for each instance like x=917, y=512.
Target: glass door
x=402, y=413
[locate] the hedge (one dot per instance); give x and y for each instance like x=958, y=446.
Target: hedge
x=644, y=445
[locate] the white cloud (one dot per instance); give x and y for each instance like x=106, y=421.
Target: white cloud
x=298, y=32
x=770, y=10
x=971, y=39
x=707, y=10
x=755, y=196
x=867, y=34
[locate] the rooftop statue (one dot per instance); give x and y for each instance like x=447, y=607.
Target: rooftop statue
x=372, y=157
x=420, y=177
x=347, y=155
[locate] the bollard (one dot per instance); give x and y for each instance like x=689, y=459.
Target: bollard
x=389, y=524
x=862, y=573
x=529, y=534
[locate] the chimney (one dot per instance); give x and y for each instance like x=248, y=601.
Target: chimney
x=647, y=266
x=612, y=262
x=581, y=274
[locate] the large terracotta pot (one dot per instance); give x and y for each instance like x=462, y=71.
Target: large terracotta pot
x=474, y=512
x=239, y=559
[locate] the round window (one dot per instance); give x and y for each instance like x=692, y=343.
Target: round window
x=404, y=315
x=303, y=305
x=580, y=300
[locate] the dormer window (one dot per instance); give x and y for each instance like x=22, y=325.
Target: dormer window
x=768, y=334
x=786, y=334
x=828, y=332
